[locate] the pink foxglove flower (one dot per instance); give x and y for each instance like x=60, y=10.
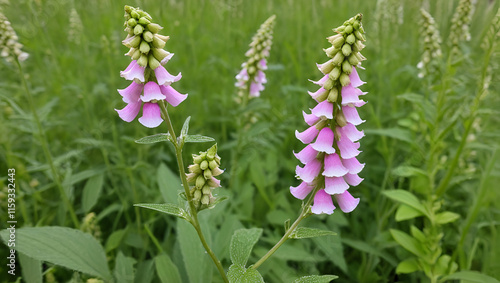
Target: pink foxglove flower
x=251, y=79
x=330, y=159
x=151, y=82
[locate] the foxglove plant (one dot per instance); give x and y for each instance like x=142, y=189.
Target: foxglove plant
x=432, y=46
x=251, y=79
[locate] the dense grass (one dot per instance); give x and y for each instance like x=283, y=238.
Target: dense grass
x=74, y=87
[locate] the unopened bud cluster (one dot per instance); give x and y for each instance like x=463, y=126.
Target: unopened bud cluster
x=10, y=47
x=432, y=45
x=90, y=225
x=146, y=45
x=75, y=27
x=460, y=23
x=251, y=79
x=201, y=177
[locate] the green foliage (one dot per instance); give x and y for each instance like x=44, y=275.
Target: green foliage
x=155, y=138
x=304, y=232
x=238, y=274
x=167, y=271
x=168, y=208
x=316, y=279
x=242, y=243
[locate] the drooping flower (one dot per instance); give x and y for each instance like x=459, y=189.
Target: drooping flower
x=329, y=157
x=251, y=79
x=151, y=82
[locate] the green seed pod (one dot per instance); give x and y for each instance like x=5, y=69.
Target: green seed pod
x=131, y=23
x=138, y=29
x=351, y=39
x=204, y=165
x=143, y=60
x=346, y=50
x=154, y=28
x=143, y=21
x=344, y=79
x=333, y=94
x=152, y=62
x=148, y=36
x=334, y=74
x=144, y=47
x=200, y=181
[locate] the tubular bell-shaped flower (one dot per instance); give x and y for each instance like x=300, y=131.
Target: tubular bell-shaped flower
x=251, y=79
x=329, y=158
x=150, y=80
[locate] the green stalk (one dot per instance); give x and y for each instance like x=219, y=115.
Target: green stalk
x=46, y=151
x=193, y=212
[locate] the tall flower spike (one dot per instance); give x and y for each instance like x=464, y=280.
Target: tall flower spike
x=10, y=48
x=329, y=158
x=460, y=22
x=251, y=79
x=146, y=72
x=202, y=179
x=432, y=46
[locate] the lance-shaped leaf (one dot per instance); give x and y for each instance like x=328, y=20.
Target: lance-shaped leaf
x=168, y=208
x=155, y=138
x=407, y=198
x=316, y=279
x=198, y=138
x=304, y=232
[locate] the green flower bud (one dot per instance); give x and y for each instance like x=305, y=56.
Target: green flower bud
x=321, y=124
x=200, y=181
x=128, y=9
x=333, y=94
x=216, y=171
x=346, y=67
x=154, y=28
x=338, y=58
x=136, y=55
x=195, y=168
x=145, y=15
x=143, y=21
x=163, y=37
x=134, y=14
x=339, y=29
x=359, y=36
x=143, y=60
x=132, y=42
x=204, y=165
x=344, y=79
x=144, y=47
x=332, y=38
x=153, y=63
x=212, y=152
x=348, y=29
x=160, y=54
x=197, y=159
x=191, y=178
x=205, y=199
x=131, y=23
x=212, y=164
x=351, y=39
x=138, y=29
x=358, y=46
x=356, y=25
x=327, y=67
x=206, y=190
x=197, y=195
x=328, y=84
x=322, y=97
x=331, y=51
x=148, y=36
x=157, y=42
x=353, y=60
x=207, y=174
x=130, y=52
x=340, y=118
x=337, y=43
x=346, y=50
x=203, y=155
x=334, y=74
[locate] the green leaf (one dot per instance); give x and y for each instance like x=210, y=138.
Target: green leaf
x=370, y=249
x=168, y=183
x=198, y=138
x=242, y=243
x=168, y=208
x=238, y=274
x=124, y=268
x=408, y=266
x=316, y=279
x=155, y=138
x=405, y=212
x=144, y=272
x=470, y=275
x=167, y=271
x=115, y=239
x=62, y=246
x=441, y=267
x=31, y=269
x=446, y=217
x=407, y=242
x=408, y=171
x=196, y=261
x=92, y=192
x=407, y=198
x=185, y=127
x=395, y=133
x=303, y=232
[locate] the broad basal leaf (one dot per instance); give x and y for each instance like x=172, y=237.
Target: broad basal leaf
x=242, y=243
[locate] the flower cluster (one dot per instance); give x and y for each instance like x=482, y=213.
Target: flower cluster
x=10, y=47
x=432, y=45
x=251, y=79
x=75, y=27
x=330, y=164
x=460, y=23
x=202, y=177
x=146, y=71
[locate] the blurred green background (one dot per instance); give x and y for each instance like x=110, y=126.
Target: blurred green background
x=73, y=73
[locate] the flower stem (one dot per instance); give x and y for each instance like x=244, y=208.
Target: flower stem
x=303, y=214
x=45, y=148
x=193, y=212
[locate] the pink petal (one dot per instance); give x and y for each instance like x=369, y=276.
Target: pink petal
x=261, y=77
x=308, y=135
x=322, y=203
x=152, y=92
x=354, y=77
x=255, y=89
x=173, y=97
x=301, y=191
x=353, y=165
x=242, y=75
x=350, y=132
x=306, y=155
x=350, y=94
x=324, y=141
x=347, y=148
x=164, y=77
x=353, y=179
x=309, y=172
x=324, y=108
x=310, y=119
x=133, y=71
x=167, y=58
x=351, y=115
x=263, y=64
x=213, y=182
x=129, y=112
x=132, y=92
x=322, y=81
x=319, y=92
x=335, y=185
x=347, y=202
x=333, y=166
x=151, y=115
